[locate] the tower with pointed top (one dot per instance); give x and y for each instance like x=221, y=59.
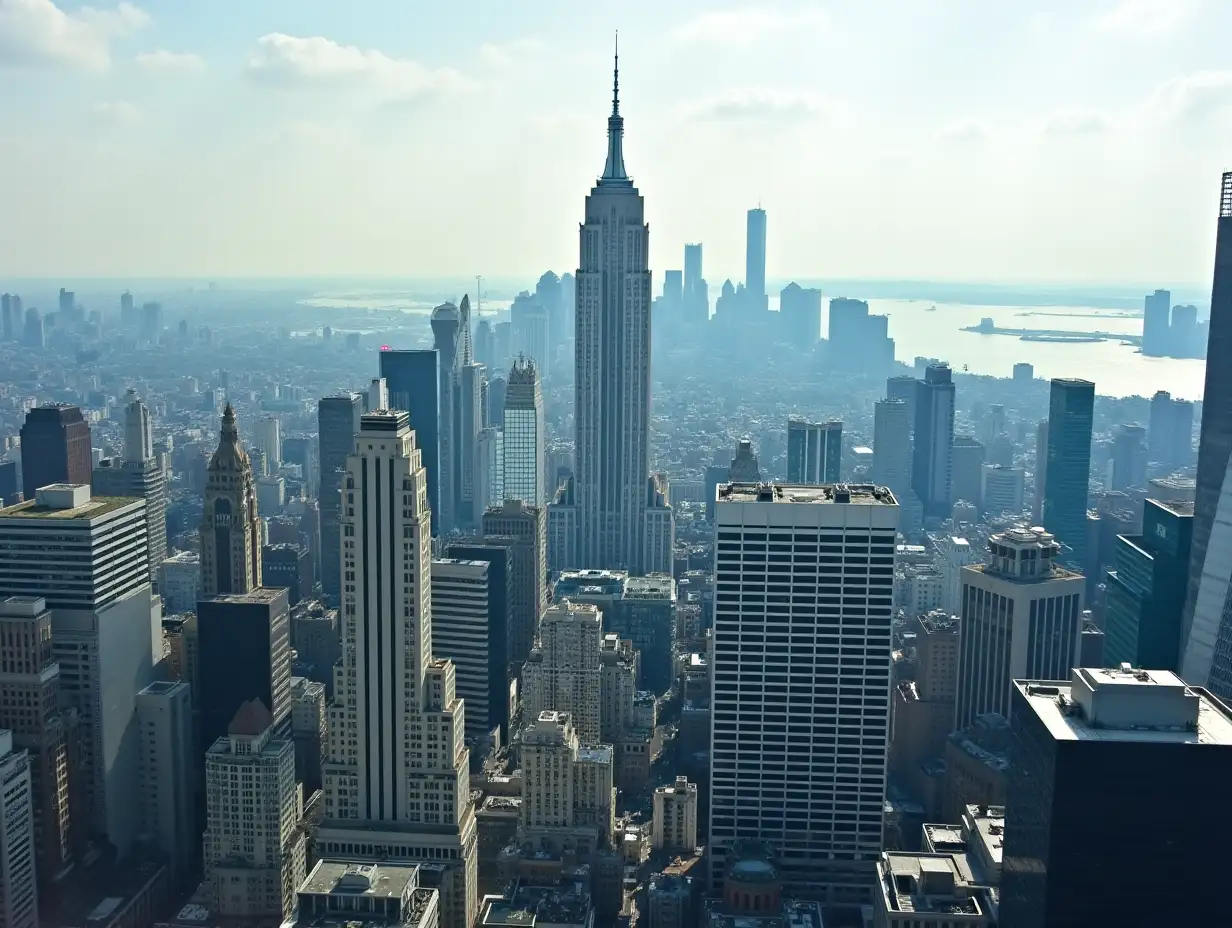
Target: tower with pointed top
x=230, y=530
x=612, y=363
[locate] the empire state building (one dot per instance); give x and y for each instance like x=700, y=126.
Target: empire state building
x=612, y=365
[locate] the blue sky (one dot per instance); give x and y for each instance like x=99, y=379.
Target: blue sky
x=939, y=139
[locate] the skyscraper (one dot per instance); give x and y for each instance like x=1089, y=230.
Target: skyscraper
x=1070, y=412
x=139, y=474
x=523, y=529
x=1156, y=314
x=445, y=341
x=892, y=446
x=800, y=734
x=932, y=456
x=814, y=451
x=696, y=298
x=755, y=261
x=337, y=423
x=499, y=561
x=413, y=378
x=468, y=421
x=167, y=771
x=1169, y=433
x=460, y=621
x=1105, y=748
x=800, y=315
x=18, y=893
x=230, y=526
x=612, y=379
x=396, y=773
x=1214, y=448
x=523, y=434
x=1129, y=457
x=1021, y=615
x=903, y=387
x=563, y=671
x=55, y=447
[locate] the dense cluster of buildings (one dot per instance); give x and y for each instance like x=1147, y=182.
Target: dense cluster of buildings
x=493, y=638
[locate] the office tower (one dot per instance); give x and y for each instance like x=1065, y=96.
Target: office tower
x=269, y=442
x=337, y=423
x=523, y=434
x=568, y=783
x=892, y=446
x=33, y=335
x=489, y=468
x=1157, y=309
x=9, y=484
x=932, y=457
x=151, y=321
x=55, y=447
x=903, y=387
x=496, y=400
x=414, y=386
x=755, y=260
x=562, y=529
x=179, y=582
x=254, y=851
x=967, y=457
x=529, y=333
x=1170, y=432
x=168, y=773
x=800, y=315
x=1129, y=457
x=445, y=323
x=141, y=475
x=781, y=712
x=563, y=671
x=288, y=566
x=1002, y=489
x=230, y=526
x=396, y=772
x=814, y=451
x=743, y=468
x=30, y=707
x=673, y=294
x=243, y=653
x=659, y=532
x=1041, y=471
x=309, y=731
x=18, y=892
x=696, y=294
x=491, y=711
x=1023, y=372
x=1070, y=411
x=1021, y=617
x=953, y=554
x=1214, y=447
x=1146, y=589
x=523, y=529
x=1104, y=748
x=461, y=618
x=924, y=707
x=6, y=322
x=612, y=379
x=127, y=308
x=104, y=621
x=674, y=817
x=858, y=342
x=469, y=381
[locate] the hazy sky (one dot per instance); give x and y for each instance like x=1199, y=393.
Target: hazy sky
x=937, y=139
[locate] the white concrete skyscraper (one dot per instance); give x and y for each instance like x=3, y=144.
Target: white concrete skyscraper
x=612, y=376
x=523, y=435
x=396, y=772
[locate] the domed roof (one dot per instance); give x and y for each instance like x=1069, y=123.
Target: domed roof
x=753, y=870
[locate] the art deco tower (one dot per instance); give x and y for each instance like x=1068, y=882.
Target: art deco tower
x=397, y=765
x=612, y=363
x=230, y=530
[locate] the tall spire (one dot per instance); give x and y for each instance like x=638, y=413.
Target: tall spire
x=614, y=174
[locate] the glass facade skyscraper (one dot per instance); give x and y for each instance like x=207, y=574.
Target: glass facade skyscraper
x=1070, y=410
x=522, y=442
x=814, y=451
x=413, y=380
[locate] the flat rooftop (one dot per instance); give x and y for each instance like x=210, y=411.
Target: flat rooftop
x=945, y=838
x=262, y=594
x=858, y=494
x=1113, y=704
x=95, y=508
x=1179, y=507
x=934, y=884
x=349, y=878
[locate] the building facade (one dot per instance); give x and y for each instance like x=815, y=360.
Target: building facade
x=18, y=892
x=499, y=595
x=814, y=451
x=414, y=382
x=55, y=448
x=523, y=435
x=563, y=672
x=789, y=753
x=932, y=455
x=168, y=772
x=1070, y=410
x=523, y=529
x=460, y=633
x=230, y=525
x=337, y=423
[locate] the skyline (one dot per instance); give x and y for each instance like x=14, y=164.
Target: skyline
x=155, y=141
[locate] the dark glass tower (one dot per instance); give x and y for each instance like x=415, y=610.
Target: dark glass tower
x=932, y=459
x=1215, y=443
x=55, y=448
x=413, y=380
x=1070, y=411
x=337, y=423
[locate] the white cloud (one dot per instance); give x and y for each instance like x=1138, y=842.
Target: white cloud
x=36, y=32
x=163, y=60
x=1076, y=121
x=292, y=60
x=118, y=112
x=757, y=105
x=1145, y=17
x=963, y=132
x=504, y=54
x=1191, y=98
x=749, y=25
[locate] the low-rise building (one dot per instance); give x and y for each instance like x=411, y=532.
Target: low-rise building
x=344, y=894
x=927, y=890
